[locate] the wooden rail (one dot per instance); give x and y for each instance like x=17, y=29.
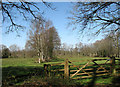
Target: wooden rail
x=84, y=71
x=58, y=70
x=80, y=69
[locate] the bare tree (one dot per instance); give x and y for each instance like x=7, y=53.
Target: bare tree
x=96, y=16
x=14, y=50
x=29, y=51
x=43, y=38
x=9, y=9
x=116, y=38
x=36, y=36
x=118, y=43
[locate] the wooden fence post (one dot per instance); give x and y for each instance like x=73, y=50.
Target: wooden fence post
x=49, y=69
x=112, y=69
x=66, y=69
x=45, y=69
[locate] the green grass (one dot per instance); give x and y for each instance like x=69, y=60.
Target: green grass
x=13, y=62
x=17, y=71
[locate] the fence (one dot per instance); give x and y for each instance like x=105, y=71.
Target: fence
x=90, y=69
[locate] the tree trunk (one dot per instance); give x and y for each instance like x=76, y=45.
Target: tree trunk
x=39, y=60
x=39, y=57
x=42, y=57
x=118, y=45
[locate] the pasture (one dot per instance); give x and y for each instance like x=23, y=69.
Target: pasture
x=24, y=71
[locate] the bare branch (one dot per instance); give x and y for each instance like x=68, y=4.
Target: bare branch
x=104, y=14
x=110, y=21
x=22, y=8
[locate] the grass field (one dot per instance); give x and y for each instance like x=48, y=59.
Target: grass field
x=19, y=71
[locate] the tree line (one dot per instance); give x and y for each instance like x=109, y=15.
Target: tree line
x=107, y=47
x=12, y=52
x=47, y=45
x=43, y=41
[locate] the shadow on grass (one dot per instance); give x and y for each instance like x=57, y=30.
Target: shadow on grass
x=33, y=76
x=116, y=81
x=94, y=77
x=93, y=81
x=16, y=75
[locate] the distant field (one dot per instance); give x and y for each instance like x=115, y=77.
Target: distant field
x=7, y=62
x=16, y=71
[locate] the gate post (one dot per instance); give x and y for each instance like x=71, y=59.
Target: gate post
x=45, y=69
x=66, y=69
x=49, y=70
x=112, y=68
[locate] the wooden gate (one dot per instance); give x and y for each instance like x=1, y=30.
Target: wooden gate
x=88, y=70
